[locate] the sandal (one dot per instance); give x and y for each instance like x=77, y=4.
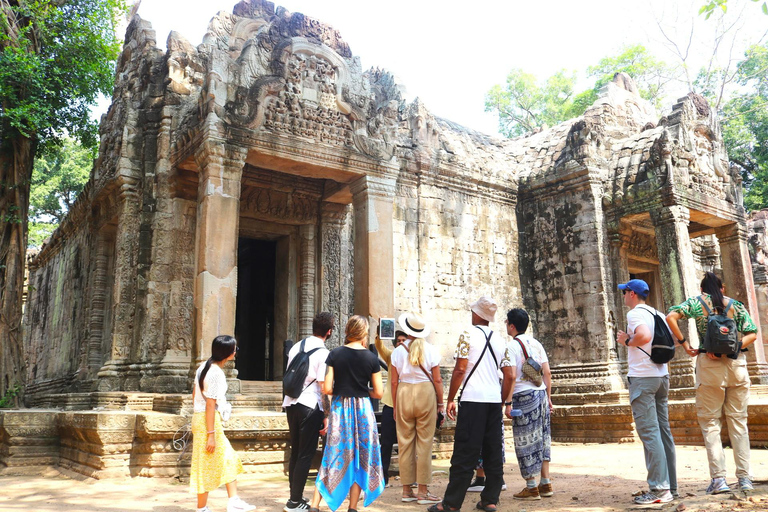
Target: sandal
x=428, y=499
x=442, y=508
x=487, y=507
x=408, y=498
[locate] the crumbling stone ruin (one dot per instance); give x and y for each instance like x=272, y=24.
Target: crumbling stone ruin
x=246, y=183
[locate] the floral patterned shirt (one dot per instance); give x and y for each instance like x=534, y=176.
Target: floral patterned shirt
x=692, y=308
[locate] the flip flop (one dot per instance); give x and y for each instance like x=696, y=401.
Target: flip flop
x=434, y=508
x=487, y=507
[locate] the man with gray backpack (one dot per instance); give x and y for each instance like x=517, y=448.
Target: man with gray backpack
x=722, y=379
x=304, y=405
x=649, y=346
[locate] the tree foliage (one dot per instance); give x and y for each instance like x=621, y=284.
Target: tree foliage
x=59, y=176
x=56, y=56
x=712, y=6
x=523, y=105
x=745, y=126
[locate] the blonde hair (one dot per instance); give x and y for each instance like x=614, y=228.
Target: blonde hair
x=416, y=352
x=357, y=330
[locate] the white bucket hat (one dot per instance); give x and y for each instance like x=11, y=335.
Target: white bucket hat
x=484, y=307
x=414, y=325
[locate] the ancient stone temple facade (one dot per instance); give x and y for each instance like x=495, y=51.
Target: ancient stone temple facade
x=245, y=184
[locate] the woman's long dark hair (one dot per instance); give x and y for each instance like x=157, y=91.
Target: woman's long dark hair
x=221, y=348
x=712, y=285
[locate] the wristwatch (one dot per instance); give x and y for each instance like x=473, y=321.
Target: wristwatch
x=507, y=403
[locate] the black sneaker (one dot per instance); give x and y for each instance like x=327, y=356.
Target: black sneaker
x=296, y=506
x=477, y=485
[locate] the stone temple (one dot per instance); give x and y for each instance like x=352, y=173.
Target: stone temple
x=245, y=184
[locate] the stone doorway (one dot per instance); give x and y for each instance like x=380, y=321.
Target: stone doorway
x=255, y=313
x=650, y=274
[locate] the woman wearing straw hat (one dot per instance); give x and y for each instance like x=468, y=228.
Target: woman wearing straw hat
x=417, y=393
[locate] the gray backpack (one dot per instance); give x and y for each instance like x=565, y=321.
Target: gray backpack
x=722, y=336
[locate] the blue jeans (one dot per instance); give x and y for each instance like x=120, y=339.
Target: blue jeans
x=648, y=396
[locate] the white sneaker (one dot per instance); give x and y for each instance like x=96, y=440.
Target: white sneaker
x=717, y=486
x=237, y=505
x=204, y=509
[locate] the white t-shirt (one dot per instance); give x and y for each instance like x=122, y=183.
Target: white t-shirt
x=215, y=387
x=484, y=386
x=413, y=374
x=517, y=356
x=639, y=363
x=312, y=395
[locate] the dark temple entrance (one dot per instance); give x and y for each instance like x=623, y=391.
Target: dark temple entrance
x=255, y=315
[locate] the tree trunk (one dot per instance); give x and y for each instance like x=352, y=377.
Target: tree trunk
x=16, y=160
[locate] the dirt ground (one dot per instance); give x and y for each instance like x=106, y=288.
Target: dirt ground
x=586, y=478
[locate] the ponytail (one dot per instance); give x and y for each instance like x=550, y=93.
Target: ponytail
x=712, y=285
x=416, y=352
x=221, y=348
x=203, y=373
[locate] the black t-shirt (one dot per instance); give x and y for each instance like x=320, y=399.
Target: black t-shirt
x=352, y=370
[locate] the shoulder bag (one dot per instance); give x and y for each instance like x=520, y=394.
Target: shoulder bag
x=531, y=368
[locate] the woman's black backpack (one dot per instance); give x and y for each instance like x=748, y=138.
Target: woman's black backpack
x=296, y=373
x=722, y=336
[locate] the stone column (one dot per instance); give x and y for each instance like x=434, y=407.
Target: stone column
x=218, y=217
x=373, y=201
x=116, y=374
x=739, y=283
x=334, y=266
x=676, y=266
x=307, y=279
x=619, y=244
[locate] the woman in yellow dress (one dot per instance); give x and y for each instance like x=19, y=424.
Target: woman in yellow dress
x=214, y=461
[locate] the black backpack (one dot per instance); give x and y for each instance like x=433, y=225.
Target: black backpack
x=662, y=344
x=722, y=336
x=296, y=373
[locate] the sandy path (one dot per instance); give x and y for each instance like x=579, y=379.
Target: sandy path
x=586, y=478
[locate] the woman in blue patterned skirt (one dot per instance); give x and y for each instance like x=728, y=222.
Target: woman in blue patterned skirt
x=352, y=456
x=532, y=429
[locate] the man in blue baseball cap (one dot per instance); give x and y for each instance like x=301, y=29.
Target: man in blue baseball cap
x=648, y=395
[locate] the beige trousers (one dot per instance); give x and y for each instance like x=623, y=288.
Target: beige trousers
x=722, y=386
x=416, y=417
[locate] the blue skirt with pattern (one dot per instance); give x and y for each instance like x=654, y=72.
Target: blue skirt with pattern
x=352, y=453
x=533, y=438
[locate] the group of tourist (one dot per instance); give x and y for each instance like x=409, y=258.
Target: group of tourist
x=497, y=377
x=722, y=383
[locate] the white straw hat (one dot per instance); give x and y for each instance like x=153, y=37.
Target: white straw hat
x=414, y=325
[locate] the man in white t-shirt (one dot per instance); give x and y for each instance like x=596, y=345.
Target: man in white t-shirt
x=479, y=415
x=648, y=395
x=307, y=414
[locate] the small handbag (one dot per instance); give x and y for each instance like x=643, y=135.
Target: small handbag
x=531, y=367
x=440, y=416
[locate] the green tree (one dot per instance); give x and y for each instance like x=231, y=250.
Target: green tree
x=523, y=105
x=56, y=56
x=58, y=177
x=745, y=126
x=710, y=7
x=651, y=75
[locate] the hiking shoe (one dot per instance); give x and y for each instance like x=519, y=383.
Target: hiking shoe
x=745, y=484
x=477, y=485
x=660, y=496
x=237, y=505
x=528, y=493
x=717, y=486
x=545, y=490
x=296, y=506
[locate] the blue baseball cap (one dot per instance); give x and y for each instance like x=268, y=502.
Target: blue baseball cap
x=638, y=286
